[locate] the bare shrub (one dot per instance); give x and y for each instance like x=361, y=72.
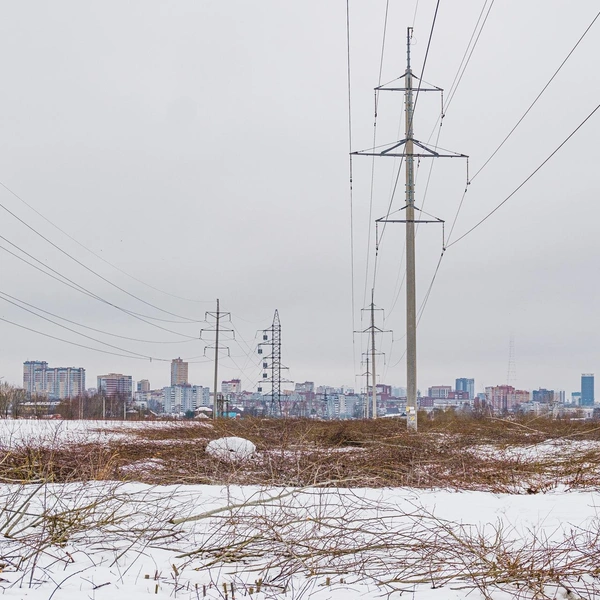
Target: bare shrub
x=346, y=538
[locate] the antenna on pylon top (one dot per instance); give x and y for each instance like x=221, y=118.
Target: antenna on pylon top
x=409, y=32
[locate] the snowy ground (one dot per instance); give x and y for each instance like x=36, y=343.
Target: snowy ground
x=106, y=540
x=51, y=433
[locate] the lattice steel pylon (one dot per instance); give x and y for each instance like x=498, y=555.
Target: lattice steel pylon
x=272, y=363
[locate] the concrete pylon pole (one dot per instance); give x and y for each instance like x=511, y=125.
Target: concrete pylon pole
x=411, y=302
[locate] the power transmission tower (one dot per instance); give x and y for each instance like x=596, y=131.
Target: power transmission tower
x=218, y=316
x=366, y=375
x=372, y=330
x=511, y=375
x=405, y=149
x=272, y=363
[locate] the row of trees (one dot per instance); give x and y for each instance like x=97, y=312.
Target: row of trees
x=15, y=403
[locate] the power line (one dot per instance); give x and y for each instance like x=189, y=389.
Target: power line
x=537, y=97
x=427, y=295
x=145, y=356
x=353, y=304
x=37, y=212
x=519, y=121
x=415, y=14
x=453, y=89
x=186, y=319
x=123, y=337
x=526, y=179
x=83, y=290
x=151, y=358
x=453, y=92
x=437, y=6
x=372, y=186
x=430, y=287
x=409, y=128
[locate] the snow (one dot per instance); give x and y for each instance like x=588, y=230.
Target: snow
x=19, y=433
x=127, y=541
x=231, y=448
x=104, y=540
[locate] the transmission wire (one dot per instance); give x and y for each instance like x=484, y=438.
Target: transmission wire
x=537, y=97
x=82, y=290
x=186, y=319
x=37, y=212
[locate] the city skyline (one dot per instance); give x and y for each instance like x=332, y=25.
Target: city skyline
x=179, y=369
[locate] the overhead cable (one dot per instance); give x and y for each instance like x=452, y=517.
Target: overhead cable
x=123, y=337
x=69, y=283
x=353, y=304
x=537, y=97
x=186, y=319
x=151, y=358
x=37, y=212
x=526, y=179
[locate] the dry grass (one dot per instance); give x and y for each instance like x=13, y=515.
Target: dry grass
x=464, y=453
x=354, y=540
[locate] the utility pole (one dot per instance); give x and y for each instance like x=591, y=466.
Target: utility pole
x=372, y=330
x=218, y=316
x=405, y=149
x=374, y=380
x=367, y=373
x=216, y=404
x=411, y=289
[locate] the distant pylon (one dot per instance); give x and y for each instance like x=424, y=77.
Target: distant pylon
x=372, y=330
x=272, y=363
x=511, y=374
x=218, y=316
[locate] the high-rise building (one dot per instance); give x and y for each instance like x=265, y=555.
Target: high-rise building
x=234, y=386
x=306, y=387
x=55, y=383
x=542, y=395
x=466, y=385
x=179, y=399
x=115, y=384
x=504, y=398
x=587, y=389
x=439, y=391
x=35, y=380
x=179, y=372
x=143, y=385
x=65, y=382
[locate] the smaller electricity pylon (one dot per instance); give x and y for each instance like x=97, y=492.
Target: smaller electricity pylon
x=372, y=330
x=271, y=364
x=218, y=316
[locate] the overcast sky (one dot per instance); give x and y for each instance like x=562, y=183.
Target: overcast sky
x=202, y=147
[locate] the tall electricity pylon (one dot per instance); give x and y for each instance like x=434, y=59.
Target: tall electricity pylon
x=405, y=149
x=272, y=363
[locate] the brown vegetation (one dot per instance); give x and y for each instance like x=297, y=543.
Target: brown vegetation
x=523, y=456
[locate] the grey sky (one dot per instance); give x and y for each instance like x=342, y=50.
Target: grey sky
x=202, y=147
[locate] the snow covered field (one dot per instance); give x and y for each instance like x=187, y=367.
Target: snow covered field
x=58, y=433
x=107, y=540
x=116, y=539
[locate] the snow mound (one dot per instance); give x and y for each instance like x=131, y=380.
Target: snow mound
x=231, y=448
